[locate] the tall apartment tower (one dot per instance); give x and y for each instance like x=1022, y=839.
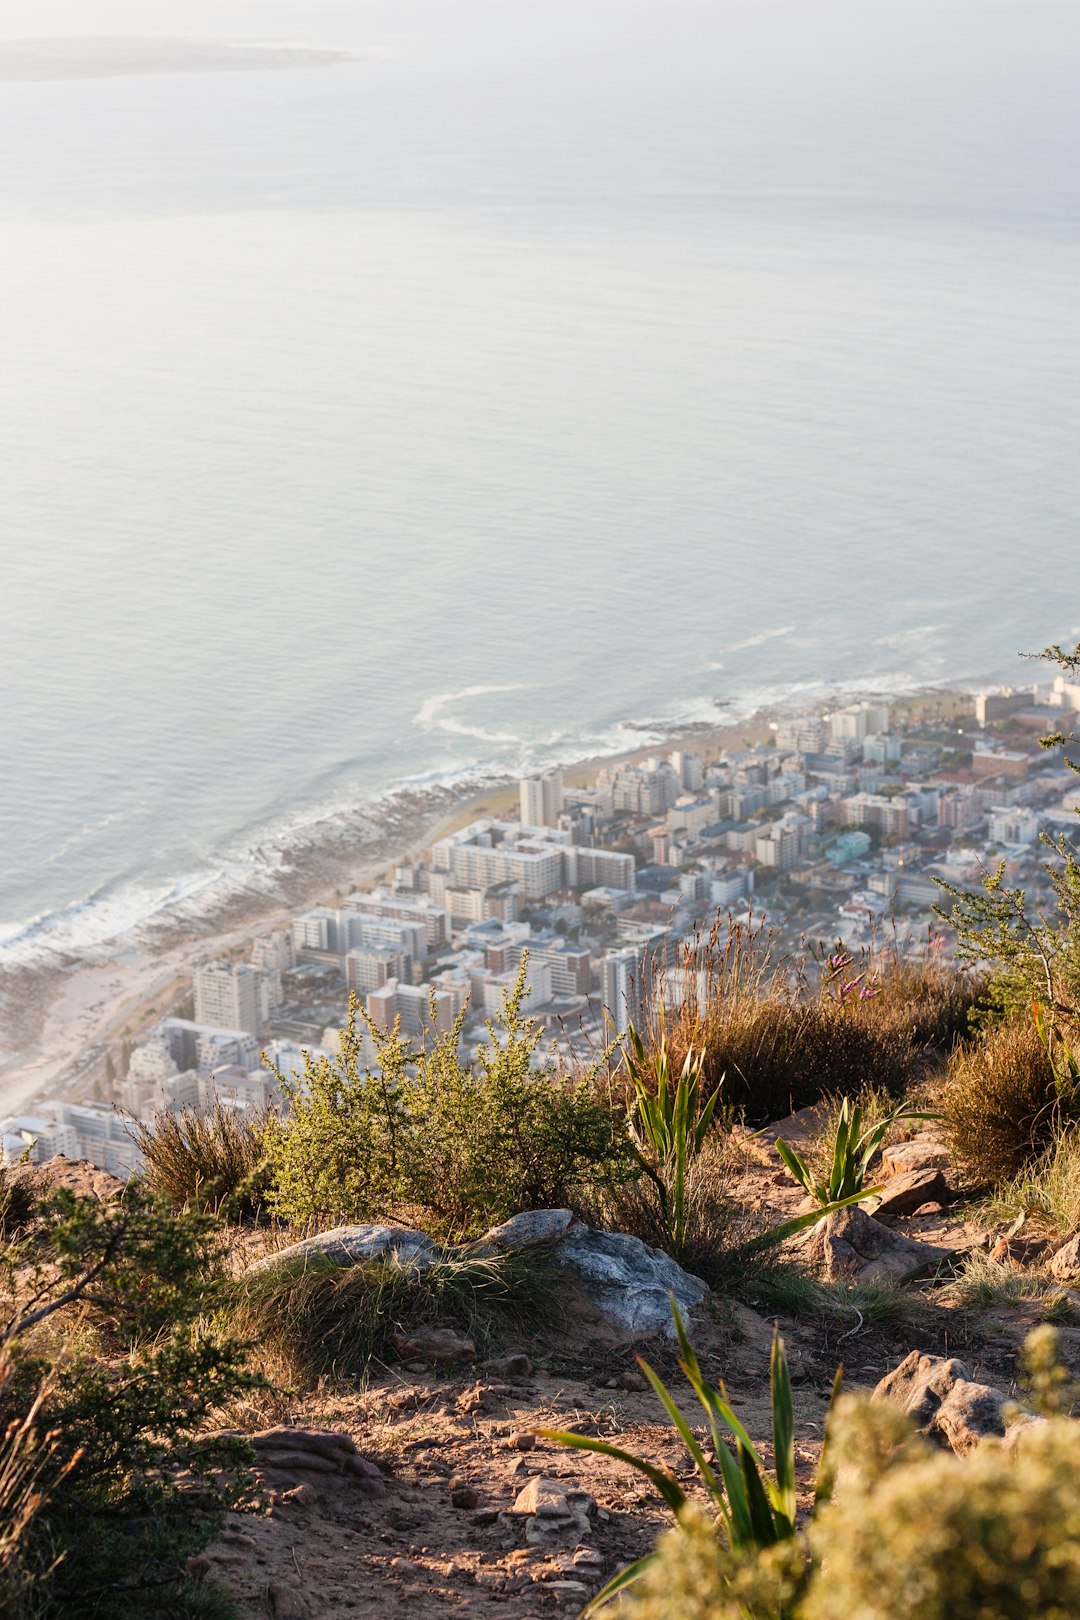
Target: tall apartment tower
x=541, y=799
x=227, y=996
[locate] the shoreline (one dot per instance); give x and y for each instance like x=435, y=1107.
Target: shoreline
x=61, y=1016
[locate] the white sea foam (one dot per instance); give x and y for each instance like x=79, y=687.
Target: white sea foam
x=758, y=640
x=432, y=715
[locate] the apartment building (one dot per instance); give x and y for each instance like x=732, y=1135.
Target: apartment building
x=541, y=799
x=227, y=996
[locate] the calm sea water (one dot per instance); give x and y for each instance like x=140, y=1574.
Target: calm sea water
x=537, y=369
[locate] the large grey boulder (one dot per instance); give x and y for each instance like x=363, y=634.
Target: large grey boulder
x=529, y=1230
x=946, y=1404
x=626, y=1281
x=851, y=1243
x=351, y=1245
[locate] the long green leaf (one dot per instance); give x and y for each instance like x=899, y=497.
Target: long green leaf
x=618, y=1583
x=799, y=1223
x=763, y=1525
x=783, y=1415
x=672, y=1493
x=798, y=1167
x=826, y=1472
x=689, y=1438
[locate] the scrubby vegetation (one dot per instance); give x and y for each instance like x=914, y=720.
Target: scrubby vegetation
x=465, y=1145
x=109, y=1376
x=896, y=1528
x=212, y=1160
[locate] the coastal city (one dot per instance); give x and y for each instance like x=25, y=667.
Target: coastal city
x=836, y=827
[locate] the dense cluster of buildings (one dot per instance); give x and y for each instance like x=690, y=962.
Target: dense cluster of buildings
x=838, y=828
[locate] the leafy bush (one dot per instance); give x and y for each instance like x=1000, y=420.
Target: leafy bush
x=900, y=1528
x=1000, y=1103
x=314, y=1317
x=214, y=1160
x=994, y=1536
x=467, y=1146
x=105, y=1307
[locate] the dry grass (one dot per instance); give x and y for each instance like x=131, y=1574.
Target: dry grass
x=213, y=1160
x=777, y=1030
x=1000, y=1103
x=312, y=1318
x=1051, y=1187
x=983, y=1283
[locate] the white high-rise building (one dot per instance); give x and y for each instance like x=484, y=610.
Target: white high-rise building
x=541, y=799
x=227, y=996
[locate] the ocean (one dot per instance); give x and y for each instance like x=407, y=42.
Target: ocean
x=465, y=386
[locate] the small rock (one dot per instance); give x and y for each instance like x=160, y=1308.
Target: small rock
x=465, y=1496
x=923, y=1153
x=851, y=1243
x=433, y=1345
x=568, y=1591
x=286, y=1603
x=516, y=1366
x=1065, y=1265
x=485, y=1516
x=630, y=1379
x=544, y=1499
x=905, y=1192
x=524, y=1440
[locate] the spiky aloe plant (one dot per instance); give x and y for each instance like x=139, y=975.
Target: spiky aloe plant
x=754, y=1510
x=668, y=1124
x=853, y=1149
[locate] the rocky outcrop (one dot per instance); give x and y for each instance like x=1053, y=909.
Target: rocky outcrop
x=627, y=1283
x=851, y=1243
x=947, y=1404
x=351, y=1245
x=298, y=1462
x=907, y=1192
x=921, y=1153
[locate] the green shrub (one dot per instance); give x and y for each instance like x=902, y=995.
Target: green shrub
x=465, y=1145
x=313, y=1317
x=992, y=1537
x=1000, y=1103
x=213, y=1160
x=901, y=1530
x=106, y=1302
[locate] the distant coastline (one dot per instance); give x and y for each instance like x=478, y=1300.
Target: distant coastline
x=62, y=1007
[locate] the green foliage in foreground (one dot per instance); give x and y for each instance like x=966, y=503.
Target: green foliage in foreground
x=469, y=1146
x=106, y=1331
x=755, y=1511
x=898, y=1528
x=669, y=1121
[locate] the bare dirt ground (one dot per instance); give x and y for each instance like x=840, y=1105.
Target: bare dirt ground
x=445, y=1539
